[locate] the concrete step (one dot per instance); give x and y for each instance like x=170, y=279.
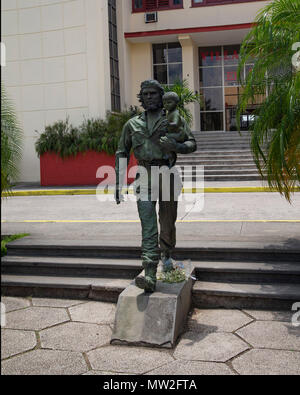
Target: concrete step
x=215, y=161
x=218, y=147
x=189, y=169
x=248, y=272
x=71, y=266
x=222, y=142
x=204, y=294
x=222, y=171
x=204, y=153
x=104, y=289
x=234, y=295
x=130, y=268
x=206, y=250
x=225, y=177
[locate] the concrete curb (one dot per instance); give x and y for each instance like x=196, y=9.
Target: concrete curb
x=53, y=192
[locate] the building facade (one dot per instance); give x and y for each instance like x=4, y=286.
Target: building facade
x=80, y=58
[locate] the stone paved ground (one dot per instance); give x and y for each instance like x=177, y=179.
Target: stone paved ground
x=63, y=337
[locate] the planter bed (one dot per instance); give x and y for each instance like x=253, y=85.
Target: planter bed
x=77, y=170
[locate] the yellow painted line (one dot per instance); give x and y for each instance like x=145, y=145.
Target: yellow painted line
x=56, y=192
x=137, y=221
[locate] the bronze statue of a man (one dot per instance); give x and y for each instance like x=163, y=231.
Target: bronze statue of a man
x=147, y=135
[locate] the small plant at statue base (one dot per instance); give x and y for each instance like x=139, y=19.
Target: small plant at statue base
x=174, y=276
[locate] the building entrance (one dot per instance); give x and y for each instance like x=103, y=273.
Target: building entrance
x=220, y=90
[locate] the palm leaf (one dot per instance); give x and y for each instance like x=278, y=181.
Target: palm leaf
x=275, y=139
x=11, y=143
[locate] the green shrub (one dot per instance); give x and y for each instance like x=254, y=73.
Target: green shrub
x=93, y=134
x=8, y=239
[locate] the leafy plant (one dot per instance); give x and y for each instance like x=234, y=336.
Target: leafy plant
x=8, y=239
x=275, y=137
x=93, y=134
x=11, y=143
x=174, y=276
x=186, y=96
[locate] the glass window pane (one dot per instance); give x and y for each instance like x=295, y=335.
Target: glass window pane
x=210, y=56
x=159, y=53
x=210, y=76
x=174, y=53
x=175, y=73
x=138, y=4
x=230, y=75
x=230, y=116
x=211, y=121
x=161, y=74
x=212, y=99
x=231, y=54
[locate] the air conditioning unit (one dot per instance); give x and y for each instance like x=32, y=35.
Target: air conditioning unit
x=151, y=17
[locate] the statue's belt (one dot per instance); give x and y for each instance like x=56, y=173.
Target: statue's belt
x=154, y=162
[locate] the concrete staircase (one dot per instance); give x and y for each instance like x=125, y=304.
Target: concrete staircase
x=241, y=276
x=226, y=156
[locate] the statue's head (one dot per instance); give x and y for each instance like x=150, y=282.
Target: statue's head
x=170, y=100
x=151, y=95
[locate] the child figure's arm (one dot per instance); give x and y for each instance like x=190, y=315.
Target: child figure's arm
x=174, y=119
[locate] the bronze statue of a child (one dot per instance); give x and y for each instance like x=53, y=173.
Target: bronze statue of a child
x=175, y=124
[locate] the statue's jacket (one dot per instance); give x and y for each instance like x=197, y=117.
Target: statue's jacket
x=145, y=142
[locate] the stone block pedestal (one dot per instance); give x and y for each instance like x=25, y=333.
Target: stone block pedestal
x=155, y=319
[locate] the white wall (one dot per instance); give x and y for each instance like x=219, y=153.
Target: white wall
x=57, y=65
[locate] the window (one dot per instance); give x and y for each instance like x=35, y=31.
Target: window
x=219, y=86
x=155, y=5
x=167, y=63
x=114, y=59
x=197, y=3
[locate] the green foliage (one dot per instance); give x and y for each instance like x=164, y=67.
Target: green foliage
x=8, y=239
x=174, y=276
x=93, y=134
x=276, y=131
x=11, y=143
x=186, y=96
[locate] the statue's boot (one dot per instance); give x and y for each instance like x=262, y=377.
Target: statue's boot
x=167, y=263
x=147, y=282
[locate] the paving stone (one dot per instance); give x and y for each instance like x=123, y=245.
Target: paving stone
x=16, y=341
x=94, y=312
x=214, y=347
x=191, y=368
x=12, y=303
x=217, y=320
x=36, y=318
x=271, y=334
x=75, y=336
x=127, y=359
x=262, y=315
x=268, y=362
x=45, y=362
x=49, y=302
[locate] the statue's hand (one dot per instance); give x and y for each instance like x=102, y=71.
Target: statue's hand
x=168, y=143
x=118, y=196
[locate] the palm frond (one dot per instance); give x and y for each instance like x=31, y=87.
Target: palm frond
x=11, y=143
x=275, y=139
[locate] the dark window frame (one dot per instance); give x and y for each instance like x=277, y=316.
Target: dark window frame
x=148, y=8
x=208, y=3
x=114, y=57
